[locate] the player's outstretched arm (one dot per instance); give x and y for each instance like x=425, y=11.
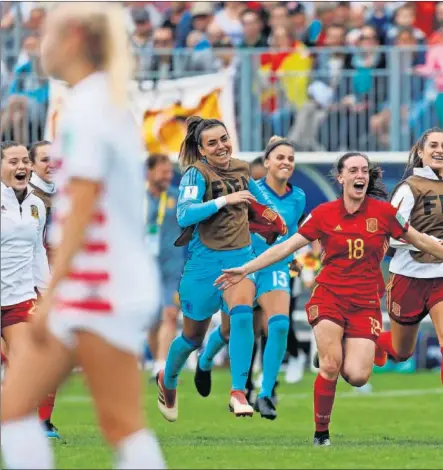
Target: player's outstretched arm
x=424, y=243
x=269, y=257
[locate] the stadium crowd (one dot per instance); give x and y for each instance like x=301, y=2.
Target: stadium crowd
x=348, y=84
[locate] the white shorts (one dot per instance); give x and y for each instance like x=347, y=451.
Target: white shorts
x=123, y=331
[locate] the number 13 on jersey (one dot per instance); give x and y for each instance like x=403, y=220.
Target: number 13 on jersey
x=356, y=248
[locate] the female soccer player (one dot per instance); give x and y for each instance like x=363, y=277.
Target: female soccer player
x=43, y=187
x=220, y=237
x=24, y=264
x=272, y=284
x=96, y=310
x=415, y=288
x=344, y=309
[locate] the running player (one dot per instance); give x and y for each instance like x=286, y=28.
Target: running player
x=24, y=264
x=43, y=187
x=219, y=236
x=273, y=294
x=415, y=288
x=95, y=311
x=344, y=309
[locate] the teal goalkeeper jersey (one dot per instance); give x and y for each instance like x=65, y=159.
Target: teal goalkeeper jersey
x=290, y=206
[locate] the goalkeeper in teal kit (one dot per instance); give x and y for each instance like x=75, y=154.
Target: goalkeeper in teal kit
x=215, y=195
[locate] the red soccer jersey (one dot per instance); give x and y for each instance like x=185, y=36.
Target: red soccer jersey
x=354, y=246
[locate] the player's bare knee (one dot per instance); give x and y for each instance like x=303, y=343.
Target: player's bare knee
x=330, y=366
x=358, y=379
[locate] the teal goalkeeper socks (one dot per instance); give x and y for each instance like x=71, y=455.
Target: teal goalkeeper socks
x=278, y=327
x=179, y=352
x=215, y=344
x=241, y=342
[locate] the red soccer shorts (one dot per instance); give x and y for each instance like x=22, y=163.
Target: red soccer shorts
x=18, y=313
x=357, y=321
x=410, y=299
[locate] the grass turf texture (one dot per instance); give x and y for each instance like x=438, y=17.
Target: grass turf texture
x=399, y=425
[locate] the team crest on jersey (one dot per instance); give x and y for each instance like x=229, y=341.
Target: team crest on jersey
x=372, y=225
x=34, y=211
x=313, y=312
x=269, y=214
x=396, y=309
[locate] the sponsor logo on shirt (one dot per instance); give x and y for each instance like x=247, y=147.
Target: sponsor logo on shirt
x=338, y=228
x=372, y=225
x=190, y=192
x=34, y=211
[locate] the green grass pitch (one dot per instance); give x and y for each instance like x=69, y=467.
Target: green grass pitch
x=399, y=425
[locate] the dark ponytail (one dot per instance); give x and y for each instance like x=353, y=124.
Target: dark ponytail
x=414, y=160
x=189, y=149
x=376, y=187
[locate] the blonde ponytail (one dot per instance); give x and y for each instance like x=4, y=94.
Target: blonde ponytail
x=274, y=142
x=118, y=59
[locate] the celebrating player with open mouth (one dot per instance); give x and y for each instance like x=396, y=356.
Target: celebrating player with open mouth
x=415, y=288
x=273, y=295
x=344, y=309
x=101, y=296
x=215, y=193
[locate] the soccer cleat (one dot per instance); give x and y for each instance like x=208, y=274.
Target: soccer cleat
x=167, y=400
x=239, y=405
x=380, y=357
x=51, y=430
x=202, y=381
x=265, y=407
x=321, y=439
x=274, y=398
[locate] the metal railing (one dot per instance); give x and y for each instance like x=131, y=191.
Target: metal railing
x=323, y=99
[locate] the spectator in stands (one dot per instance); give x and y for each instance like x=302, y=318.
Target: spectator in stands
x=356, y=23
x=257, y=167
x=141, y=39
x=201, y=57
x=5, y=79
x=179, y=20
x=404, y=17
x=202, y=14
x=28, y=98
x=162, y=64
x=150, y=7
x=342, y=14
x=252, y=24
x=279, y=17
x=324, y=18
x=380, y=16
x=228, y=20
x=298, y=22
x=438, y=16
x=162, y=231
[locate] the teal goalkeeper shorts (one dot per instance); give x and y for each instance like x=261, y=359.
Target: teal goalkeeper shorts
x=199, y=298
x=273, y=278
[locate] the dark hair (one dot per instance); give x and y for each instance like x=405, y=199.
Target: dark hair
x=35, y=147
x=376, y=187
x=257, y=162
x=7, y=144
x=336, y=26
x=274, y=142
x=189, y=149
x=156, y=159
x=414, y=160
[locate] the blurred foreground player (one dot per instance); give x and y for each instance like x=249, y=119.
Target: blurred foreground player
x=95, y=311
x=344, y=309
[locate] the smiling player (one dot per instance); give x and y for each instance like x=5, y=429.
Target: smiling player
x=344, y=309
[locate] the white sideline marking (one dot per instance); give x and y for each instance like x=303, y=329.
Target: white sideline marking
x=285, y=396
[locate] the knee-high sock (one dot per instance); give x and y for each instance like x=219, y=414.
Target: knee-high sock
x=249, y=382
x=215, y=344
x=324, y=394
x=140, y=451
x=178, y=353
x=384, y=342
x=25, y=446
x=46, y=407
x=278, y=327
x=241, y=342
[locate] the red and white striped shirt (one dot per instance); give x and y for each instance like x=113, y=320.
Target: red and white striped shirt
x=99, y=142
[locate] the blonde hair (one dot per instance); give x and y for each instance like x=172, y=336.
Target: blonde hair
x=107, y=42
x=274, y=142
